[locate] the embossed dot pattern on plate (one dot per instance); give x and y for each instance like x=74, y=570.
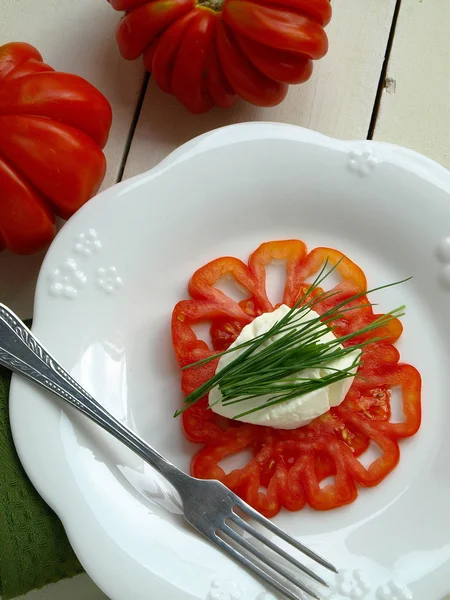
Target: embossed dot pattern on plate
x=87, y=243
x=224, y=590
x=351, y=584
x=394, y=591
x=109, y=280
x=66, y=280
x=362, y=162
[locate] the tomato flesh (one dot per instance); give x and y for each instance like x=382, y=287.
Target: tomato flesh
x=288, y=466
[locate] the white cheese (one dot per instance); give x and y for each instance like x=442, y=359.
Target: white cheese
x=297, y=411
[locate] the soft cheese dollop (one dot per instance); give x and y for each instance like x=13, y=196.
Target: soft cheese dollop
x=297, y=411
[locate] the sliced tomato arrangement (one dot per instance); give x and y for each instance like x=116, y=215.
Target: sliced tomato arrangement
x=288, y=466
x=210, y=52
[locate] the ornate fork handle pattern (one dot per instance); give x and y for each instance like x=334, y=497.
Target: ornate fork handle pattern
x=21, y=352
x=207, y=504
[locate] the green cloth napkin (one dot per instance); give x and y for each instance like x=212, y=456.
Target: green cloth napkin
x=34, y=549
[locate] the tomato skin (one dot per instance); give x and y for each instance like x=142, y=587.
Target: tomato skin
x=60, y=97
x=291, y=464
x=126, y=4
x=189, y=72
x=53, y=127
x=218, y=85
x=167, y=50
x=150, y=52
x=20, y=206
x=39, y=148
x=250, y=84
x=257, y=49
x=138, y=28
x=282, y=29
x=318, y=10
x=280, y=65
x=15, y=56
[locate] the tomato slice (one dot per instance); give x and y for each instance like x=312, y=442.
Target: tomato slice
x=292, y=252
x=289, y=467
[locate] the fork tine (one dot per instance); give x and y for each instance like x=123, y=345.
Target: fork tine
x=283, y=535
x=253, y=532
x=266, y=560
x=254, y=568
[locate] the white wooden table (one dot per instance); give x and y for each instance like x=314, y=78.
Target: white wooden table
x=386, y=77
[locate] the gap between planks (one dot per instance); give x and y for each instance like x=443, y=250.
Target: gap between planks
x=134, y=123
x=382, y=81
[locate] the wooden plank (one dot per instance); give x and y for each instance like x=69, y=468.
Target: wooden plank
x=415, y=103
x=76, y=37
x=337, y=101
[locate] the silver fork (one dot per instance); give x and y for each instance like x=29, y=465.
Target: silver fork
x=208, y=505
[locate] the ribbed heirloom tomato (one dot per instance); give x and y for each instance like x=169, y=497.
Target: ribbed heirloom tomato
x=209, y=52
x=53, y=127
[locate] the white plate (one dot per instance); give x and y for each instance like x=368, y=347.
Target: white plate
x=103, y=306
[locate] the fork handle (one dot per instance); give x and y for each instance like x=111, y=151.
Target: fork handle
x=22, y=353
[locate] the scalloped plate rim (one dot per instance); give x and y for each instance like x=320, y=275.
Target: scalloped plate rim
x=400, y=157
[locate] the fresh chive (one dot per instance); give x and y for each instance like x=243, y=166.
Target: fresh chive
x=273, y=370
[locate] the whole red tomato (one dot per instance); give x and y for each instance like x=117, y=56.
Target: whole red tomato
x=53, y=127
x=209, y=52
